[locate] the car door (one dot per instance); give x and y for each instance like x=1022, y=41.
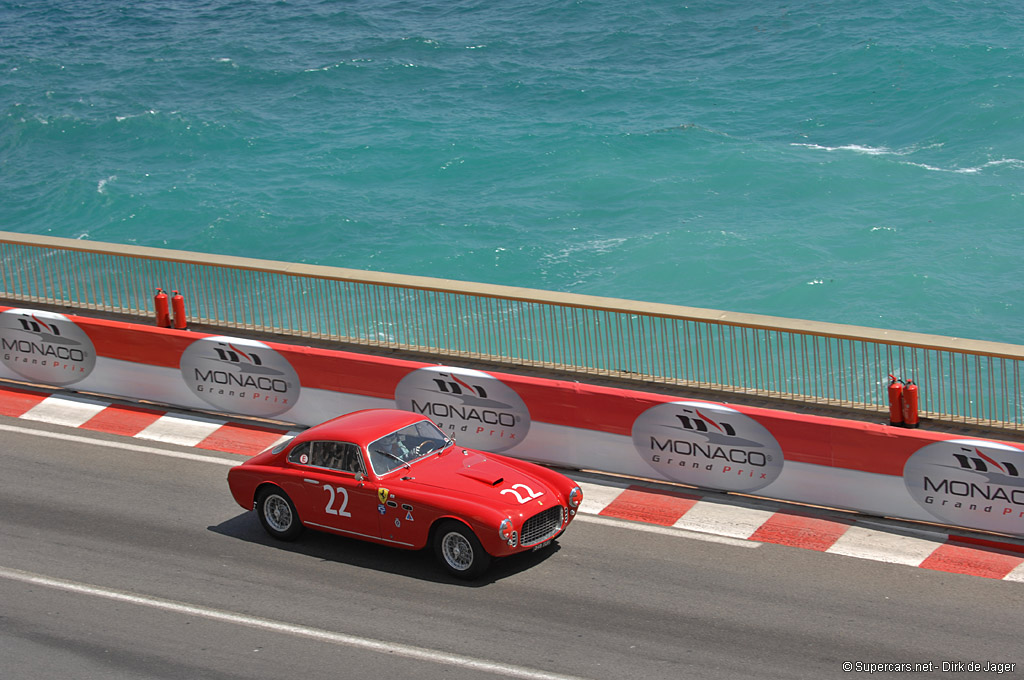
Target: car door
x=336, y=493
x=403, y=521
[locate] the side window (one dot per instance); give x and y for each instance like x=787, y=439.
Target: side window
x=341, y=456
x=300, y=454
x=351, y=458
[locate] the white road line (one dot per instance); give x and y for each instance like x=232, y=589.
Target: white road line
x=64, y=411
x=330, y=637
x=124, y=446
x=666, y=531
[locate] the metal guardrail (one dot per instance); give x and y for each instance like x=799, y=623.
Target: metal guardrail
x=960, y=381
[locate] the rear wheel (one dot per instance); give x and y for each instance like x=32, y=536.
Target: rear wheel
x=459, y=550
x=277, y=514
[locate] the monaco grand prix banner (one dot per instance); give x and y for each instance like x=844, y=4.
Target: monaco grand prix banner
x=868, y=467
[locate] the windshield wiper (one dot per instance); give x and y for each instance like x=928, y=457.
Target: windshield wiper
x=394, y=457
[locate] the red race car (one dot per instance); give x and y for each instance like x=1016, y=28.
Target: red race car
x=394, y=477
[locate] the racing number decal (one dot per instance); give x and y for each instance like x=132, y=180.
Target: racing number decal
x=343, y=492
x=530, y=493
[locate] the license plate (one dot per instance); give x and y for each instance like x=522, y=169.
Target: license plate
x=541, y=546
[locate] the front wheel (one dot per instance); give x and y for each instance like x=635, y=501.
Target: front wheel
x=277, y=514
x=459, y=550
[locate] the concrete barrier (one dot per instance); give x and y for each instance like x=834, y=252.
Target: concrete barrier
x=867, y=467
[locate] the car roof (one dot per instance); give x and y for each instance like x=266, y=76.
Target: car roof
x=361, y=427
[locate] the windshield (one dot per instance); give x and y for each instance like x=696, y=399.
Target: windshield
x=411, y=443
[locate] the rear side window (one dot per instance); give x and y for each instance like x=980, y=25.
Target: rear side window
x=340, y=456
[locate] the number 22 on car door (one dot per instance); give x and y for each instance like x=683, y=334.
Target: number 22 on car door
x=335, y=493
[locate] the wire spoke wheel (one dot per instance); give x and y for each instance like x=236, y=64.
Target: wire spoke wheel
x=458, y=553
x=459, y=550
x=277, y=514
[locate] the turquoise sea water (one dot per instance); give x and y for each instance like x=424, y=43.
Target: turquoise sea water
x=859, y=162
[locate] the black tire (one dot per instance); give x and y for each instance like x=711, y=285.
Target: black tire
x=459, y=550
x=277, y=514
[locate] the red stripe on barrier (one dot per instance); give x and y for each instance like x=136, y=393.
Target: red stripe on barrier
x=958, y=559
x=244, y=439
x=347, y=372
x=123, y=420
x=988, y=543
x=15, y=402
x=799, y=531
x=140, y=344
x=650, y=505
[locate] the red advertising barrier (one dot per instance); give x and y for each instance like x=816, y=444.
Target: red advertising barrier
x=870, y=467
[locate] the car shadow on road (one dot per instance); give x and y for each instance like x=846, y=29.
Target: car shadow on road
x=418, y=564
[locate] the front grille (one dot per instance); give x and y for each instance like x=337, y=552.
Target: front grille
x=542, y=526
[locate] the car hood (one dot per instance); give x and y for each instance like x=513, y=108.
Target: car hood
x=476, y=474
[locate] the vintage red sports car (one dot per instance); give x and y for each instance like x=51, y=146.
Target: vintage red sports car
x=394, y=477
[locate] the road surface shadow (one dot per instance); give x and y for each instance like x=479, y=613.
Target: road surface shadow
x=418, y=564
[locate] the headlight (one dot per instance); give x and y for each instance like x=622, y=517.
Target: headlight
x=505, y=529
x=575, y=497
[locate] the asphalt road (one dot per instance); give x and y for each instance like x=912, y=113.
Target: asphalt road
x=120, y=563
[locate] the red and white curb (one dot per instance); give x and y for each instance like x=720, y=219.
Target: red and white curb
x=768, y=522
x=711, y=514
x=139, y=422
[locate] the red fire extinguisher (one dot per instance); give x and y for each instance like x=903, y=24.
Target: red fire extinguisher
x=910, y=397
x=178, y=304
x=895, y=401
x=163, y=313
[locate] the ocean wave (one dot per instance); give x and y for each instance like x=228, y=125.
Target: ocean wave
x=886, y=151
x=1013, y=162
x=121, y=119
x=101, y=186
x=869, y=150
